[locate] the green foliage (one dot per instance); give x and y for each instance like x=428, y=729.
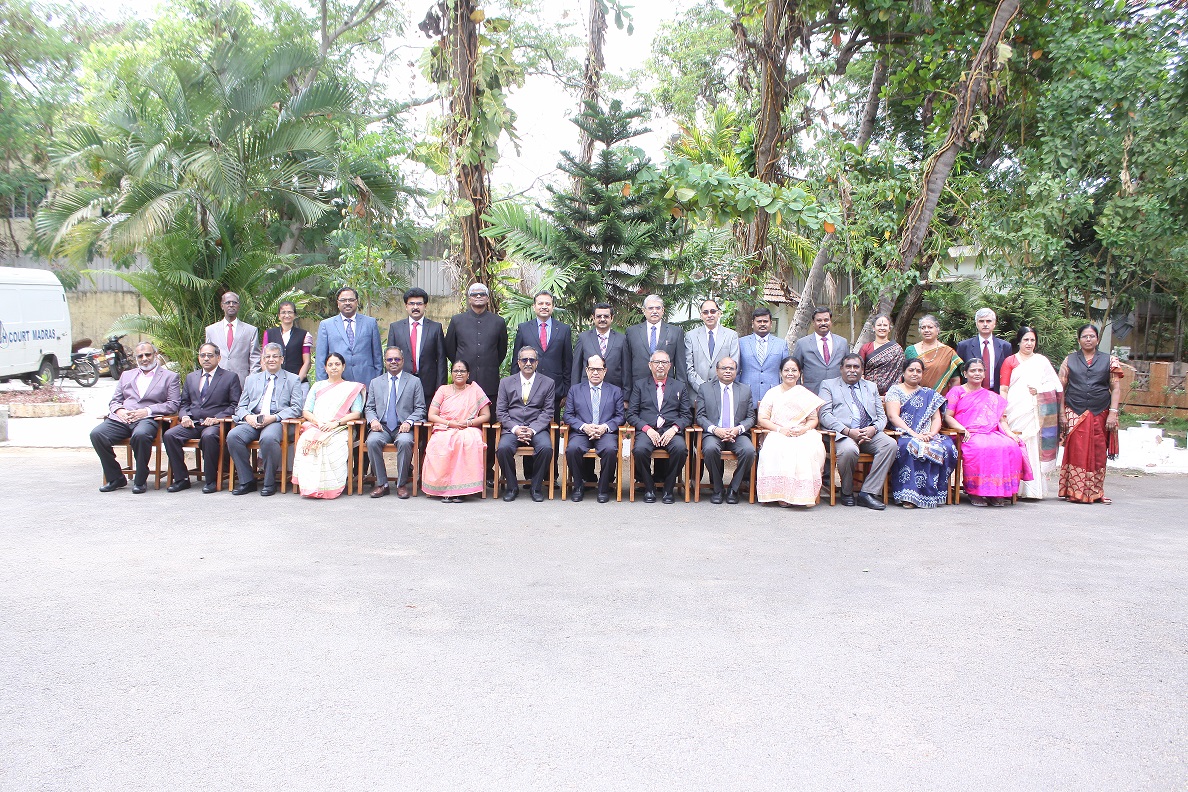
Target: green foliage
x=694, y=64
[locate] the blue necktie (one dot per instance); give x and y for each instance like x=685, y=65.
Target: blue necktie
x=350, y=330
x=711, y=343
x=652, y=343
x=595, y=397
x=390, y=418
x=863, y=416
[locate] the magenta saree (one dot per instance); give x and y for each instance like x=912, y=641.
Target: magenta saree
x=992, y=460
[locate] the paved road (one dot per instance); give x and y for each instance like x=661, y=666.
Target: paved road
x=210, y=642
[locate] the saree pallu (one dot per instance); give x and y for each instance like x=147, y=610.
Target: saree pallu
x=1036, y=418
x=455, y=458
x=1083, y=471
x=921, y=471
x=882, y=366
x=993, y=462
x=323, y=459
x=789, y=468
x=940, y=365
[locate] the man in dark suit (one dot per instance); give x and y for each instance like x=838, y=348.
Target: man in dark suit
x=524, y=407
x=553, y=342
x=269, y=397
x=726, y=414
x=594, y=412
x=652, y=334
x=478, y=336
x=208, y=396
x=395, y=402
x=146, y=391
x=660, y=410
x=854, y=410
x=819, y=355
x=992, y=351
x=422, y=341
x=608, y=344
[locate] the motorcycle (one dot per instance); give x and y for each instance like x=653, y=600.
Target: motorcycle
x=118, y=359
x=84, y=364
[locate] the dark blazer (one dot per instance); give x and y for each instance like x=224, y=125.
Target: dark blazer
x=480, y=340
x=537, y=414
x=670, y=338
x=678, y=406
x=813, y=369
x=221, y=395
x=364, y=360
x=835, y=414
x=578, y=410
x=618, y=358
x=431, y=366
x=162, y=396
x=410, y=399
x=557, y=360
x=709, y=405
x=972, y=348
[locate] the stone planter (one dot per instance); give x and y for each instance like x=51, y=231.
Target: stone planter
x=46, y=410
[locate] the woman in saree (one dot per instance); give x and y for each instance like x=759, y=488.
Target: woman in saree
x=1034, y=399
x=882, y=359
x=927, y=458
x=323, y=458
x=941, y=364
x=1089, y=421
x=993, y=457
x=790, y=462
x=456, y=454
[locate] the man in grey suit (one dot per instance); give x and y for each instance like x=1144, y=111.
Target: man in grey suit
x=524, y=407
x=352, y=335
x=608, y=344
x=655, y=334
x=269, y=397
x=706, y=345
x=819, y=355
x=238, y=343
x=395, y=401
x=726, y=414
x=854, y=411
x=759, y=356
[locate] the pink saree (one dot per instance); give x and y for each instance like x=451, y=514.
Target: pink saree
x=992, y=461
x=454, y=458
x=323, y=459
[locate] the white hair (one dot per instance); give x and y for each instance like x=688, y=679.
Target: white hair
x=985, y=313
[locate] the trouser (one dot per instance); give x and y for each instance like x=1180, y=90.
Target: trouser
x=404, y=451
x=881, y=447
x=140, y=435
x=642, y=451
x=208, y=446
x=711, y=450
x=542, y=446
x=270, y=451
x=607, y=447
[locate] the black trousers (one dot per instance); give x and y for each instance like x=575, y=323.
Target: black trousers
x=142, y=435
x=542, y=446
x=607, y=447
x=642, y=449
x=208, y=446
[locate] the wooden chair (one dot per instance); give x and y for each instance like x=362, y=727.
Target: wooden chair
x=254, y=451
x=660, y=453
x=698, y=466
x=354, y=458
x=757, y=437
x=955, y=481
x=591, y=454
x=155, y=458
x=418, y=431
x=523, y=451
x=860, y=469
x=193, y=444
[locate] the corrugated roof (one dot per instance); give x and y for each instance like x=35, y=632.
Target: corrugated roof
x=777, y=292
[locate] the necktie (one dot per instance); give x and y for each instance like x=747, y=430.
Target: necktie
x=412, y=343
x=727, y=421
x=390, y=418
x=825, y=349
x=205, y=382
x=602, y=346
x=711, y=343
x=863, y=416
x=986, y=358
x=761, y=349
x=652, y=343
x=525, y=390
x=659, y=404
x=595, y=397
x=266, y=407
x=230, y=337
x=350, y=328
x=544, y=336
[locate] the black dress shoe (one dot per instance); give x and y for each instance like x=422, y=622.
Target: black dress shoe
x=112, y=486
x=537, y=496
x=245, y=488
x=267, y=491
x=178, y=486
x=716, y=498
x=668, y=497
x=649, y=496
x=846, y=500
x=870, y=501
x=603, y=497
x=209, y=487
x=578, y=494
x=510, y=495
x=732, y=497
x=139, y=489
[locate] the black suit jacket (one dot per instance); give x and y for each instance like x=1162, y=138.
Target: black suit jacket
x=221, y=396
x=972, y=348
x=537, y=414
x=431, y=366
x=678, y=406
x=618, y=358
x=556, y=361
x=579, y=411
x=670, y=338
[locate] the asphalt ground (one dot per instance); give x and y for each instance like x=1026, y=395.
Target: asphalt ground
x=193, y=641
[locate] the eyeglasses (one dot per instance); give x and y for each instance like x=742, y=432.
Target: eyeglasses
x=208, y=354
x=528, y=360
x=393, y=360
x=348, y=299
x=709, y=311
x=145, y=355
x=478, y=294
x=593, y=368
x=659, y=362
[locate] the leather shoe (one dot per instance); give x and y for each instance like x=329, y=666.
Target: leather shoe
x=112, y=486
x=603, y=497
x=870, y=501
x=537, y=496
x=510, y=495
x=668, y=497
x=209, y=487
x=716, y=498
x=178, y=486
x=267, y=491
x=649, y=496
x=402, y=493
x=578, y=494
x=732, y=497
x=846, y=500
x=245, y=488
x=139, y=489
x=379, y=492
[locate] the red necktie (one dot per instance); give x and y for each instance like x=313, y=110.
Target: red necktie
x=412, y=343
x=825, y=349
x=544, y=336
x=230, y=337
x=986, y=355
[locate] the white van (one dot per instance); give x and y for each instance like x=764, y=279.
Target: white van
x=34, y=324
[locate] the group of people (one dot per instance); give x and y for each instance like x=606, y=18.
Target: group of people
x=1010, y=409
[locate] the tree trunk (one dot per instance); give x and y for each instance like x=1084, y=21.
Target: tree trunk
x=871, y=111
x=592, y=80
x=911, y=304
x=970, y=91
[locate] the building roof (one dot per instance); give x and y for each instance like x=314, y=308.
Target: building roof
x=777, y=292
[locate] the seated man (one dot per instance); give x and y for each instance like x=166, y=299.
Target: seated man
x=726, y=414
x=149, y=389
x=395, y=401
x=269, y=397
x=854, y=411
x=525, y=409
x=594, y=412
x=660, y=410
x=210, y=395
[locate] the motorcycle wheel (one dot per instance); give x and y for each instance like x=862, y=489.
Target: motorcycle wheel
x=86, y=374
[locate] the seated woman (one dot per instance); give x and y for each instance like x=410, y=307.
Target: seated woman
x=455, y=454
x=993, y=458
x=920, y=475
x=790, y=463
x=323, y=458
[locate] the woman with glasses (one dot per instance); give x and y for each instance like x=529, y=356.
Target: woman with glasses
x=295, y=341
x=790, y=462
x=454, y=455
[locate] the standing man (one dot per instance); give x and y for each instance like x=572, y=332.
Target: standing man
x=269, y=396
x=149, y=389
x=479, y=337
x=660, y=410
x=655, y=334
x=854, y=410
x=422, y=341
x=525, y=409
x=726, y=413
x=238, y=343
x=209, y=395
x=608, y=344
x=395, y=401
x=594, y=412
x=991, y=350
x=708, y=344
x=352, y=335
x=759, y=356
x=819, y=355
x=553, y=342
